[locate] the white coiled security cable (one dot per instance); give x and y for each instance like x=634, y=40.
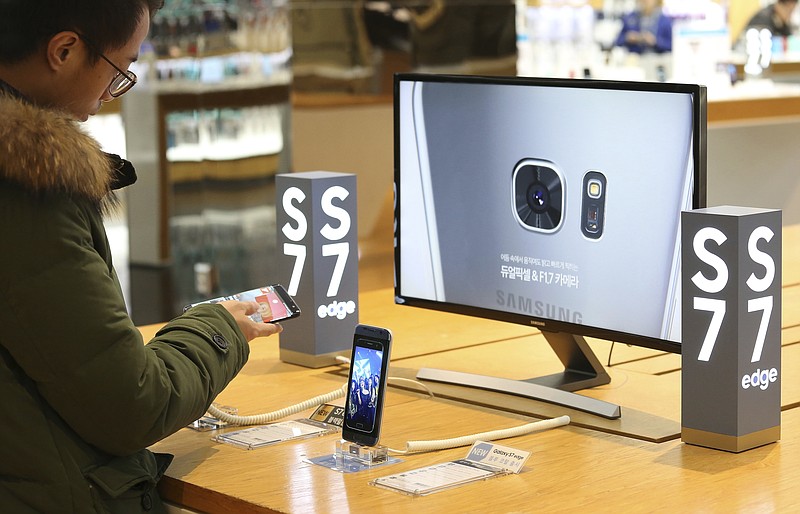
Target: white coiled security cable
x=411, y=446
x=441, y=444
x=269, y=417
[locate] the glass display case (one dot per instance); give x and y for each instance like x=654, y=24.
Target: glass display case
x=208, y=129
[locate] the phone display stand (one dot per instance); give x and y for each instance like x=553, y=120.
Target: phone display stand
x=349, y=457
x=208, y=422
x=368, y=455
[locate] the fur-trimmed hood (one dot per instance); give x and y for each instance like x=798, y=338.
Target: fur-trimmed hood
x=45, y=151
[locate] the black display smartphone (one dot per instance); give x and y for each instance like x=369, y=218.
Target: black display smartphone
x=275, y=303
x=367, y=384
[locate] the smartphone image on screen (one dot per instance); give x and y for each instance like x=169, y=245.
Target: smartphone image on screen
x=550, y=194
x=275, y=303
x=367, y=384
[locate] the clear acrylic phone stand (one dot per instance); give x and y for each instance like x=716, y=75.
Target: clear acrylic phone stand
x=349, y=457
x=209, y=422
x=367, y=455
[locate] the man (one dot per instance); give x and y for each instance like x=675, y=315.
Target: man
x=776, y=18
x=82, y=396
x=647, y=29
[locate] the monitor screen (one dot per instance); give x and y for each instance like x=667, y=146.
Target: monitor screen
x=553, y=203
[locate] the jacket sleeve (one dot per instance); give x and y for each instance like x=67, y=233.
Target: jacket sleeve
x=65, y=323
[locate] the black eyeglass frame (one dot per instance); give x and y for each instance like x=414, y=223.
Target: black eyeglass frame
x=127, y=75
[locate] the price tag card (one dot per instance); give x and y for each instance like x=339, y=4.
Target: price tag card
x=329, y=414
x=508, y=459
x=257, y=437
x=484, y=460
x=438, y=477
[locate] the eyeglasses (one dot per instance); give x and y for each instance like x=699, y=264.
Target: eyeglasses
x=123, y=81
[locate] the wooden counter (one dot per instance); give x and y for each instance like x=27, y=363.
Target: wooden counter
x=570, y=469
x=769, y=106
x=579, y=466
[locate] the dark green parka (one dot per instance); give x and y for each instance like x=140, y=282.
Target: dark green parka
x=82, y=395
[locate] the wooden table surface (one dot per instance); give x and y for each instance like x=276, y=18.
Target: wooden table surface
x=586, y=465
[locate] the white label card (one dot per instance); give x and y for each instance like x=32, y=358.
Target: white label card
x=251, y=438
x=508, y=459
x=434, y=478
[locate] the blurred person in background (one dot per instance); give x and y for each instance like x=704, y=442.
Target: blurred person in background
x=775, y=17
x=646, y=30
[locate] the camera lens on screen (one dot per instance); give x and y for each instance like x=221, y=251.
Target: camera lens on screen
x=538, y=197
x=538, y=193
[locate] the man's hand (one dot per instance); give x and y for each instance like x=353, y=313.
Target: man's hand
x=241, y=312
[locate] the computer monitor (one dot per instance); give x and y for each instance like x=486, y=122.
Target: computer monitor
x=551, y=203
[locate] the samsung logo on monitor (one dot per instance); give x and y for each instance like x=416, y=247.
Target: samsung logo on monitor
x=537, y=308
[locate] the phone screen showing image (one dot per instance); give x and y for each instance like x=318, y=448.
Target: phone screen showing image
x=270, y=305
x=274, y=303
x=366, y=387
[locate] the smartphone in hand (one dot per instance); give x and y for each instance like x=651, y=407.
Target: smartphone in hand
x=275, y=304
x=369, y=363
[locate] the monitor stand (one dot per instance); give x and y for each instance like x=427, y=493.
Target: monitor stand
x=582, y=370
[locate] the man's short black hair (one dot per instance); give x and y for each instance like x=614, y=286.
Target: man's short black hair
x=26, y=25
